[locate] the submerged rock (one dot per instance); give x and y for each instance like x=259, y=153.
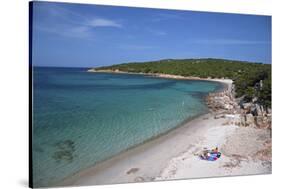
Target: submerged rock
x=64, y=151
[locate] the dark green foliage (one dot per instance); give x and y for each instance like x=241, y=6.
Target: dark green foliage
x=246, y=75
x=264, y=95
x=250, y=93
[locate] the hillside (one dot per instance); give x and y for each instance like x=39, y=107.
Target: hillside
x=252, y=80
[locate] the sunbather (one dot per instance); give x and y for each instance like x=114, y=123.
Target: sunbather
x=210, y=155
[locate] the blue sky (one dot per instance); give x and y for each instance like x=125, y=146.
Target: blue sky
x=79, y=35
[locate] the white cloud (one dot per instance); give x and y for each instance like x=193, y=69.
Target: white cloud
x=102, y=22
x=68, y=23
x=76, y=32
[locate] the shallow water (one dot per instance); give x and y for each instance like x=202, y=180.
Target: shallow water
x=81, y=118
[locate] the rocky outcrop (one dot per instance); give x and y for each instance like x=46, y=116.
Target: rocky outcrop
x=250, y=114
x=222, y=102
x=257, y=114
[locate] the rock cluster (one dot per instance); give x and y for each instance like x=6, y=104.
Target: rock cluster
x=255, y=114
x=223, y=104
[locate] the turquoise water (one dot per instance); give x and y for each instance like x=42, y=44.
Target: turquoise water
x=82, y=118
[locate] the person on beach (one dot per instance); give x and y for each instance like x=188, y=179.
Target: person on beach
x=216, y=150
x=211, y=155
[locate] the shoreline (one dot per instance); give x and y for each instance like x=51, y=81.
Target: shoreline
x=168, y=76
x=227, y=83
x=166, y=157
x=85, y=176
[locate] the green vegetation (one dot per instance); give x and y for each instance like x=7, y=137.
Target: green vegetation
x=252, y=80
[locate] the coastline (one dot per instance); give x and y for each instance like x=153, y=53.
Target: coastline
x=168, y=76
x=174, y=155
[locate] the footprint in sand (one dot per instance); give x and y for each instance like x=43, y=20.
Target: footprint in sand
x=133, y=170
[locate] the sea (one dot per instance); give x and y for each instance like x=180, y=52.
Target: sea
x=82, y=118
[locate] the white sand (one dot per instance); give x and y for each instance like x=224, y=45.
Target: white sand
x=235, y=159
x=168, y=76
x=175, y=156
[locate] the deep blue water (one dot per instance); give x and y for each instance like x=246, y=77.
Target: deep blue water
x=82, y=118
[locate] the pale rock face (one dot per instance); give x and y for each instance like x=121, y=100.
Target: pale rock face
x=250, y=120
x=228, y=106
x=247, y=120
x=246, y=115
x=261, y=84
x=255, y=99
x=263, y=121
x=247, y=107
x=254, y=110
x=259, y=121
x=259, y=110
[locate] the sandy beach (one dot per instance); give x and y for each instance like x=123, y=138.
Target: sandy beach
x=228, y=82
x=174, y=155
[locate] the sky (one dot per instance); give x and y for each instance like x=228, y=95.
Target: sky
x=81, y=35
